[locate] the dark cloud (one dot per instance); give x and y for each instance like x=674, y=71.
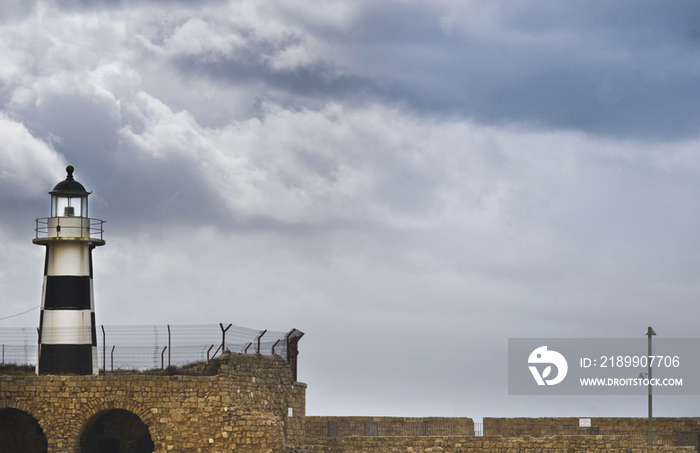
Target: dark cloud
x=135, y=193
x=79, y=127
x=316, y=80
x=95, y=4
x=13, y=11
x=129, y=188
x=627, y=69
x=20, y=214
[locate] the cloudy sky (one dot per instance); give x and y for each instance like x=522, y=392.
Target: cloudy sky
x=410, y=183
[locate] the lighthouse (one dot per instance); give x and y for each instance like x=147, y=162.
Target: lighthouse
x=67, y=335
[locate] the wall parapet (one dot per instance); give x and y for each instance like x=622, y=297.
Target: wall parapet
x=549, y=425
x=490, y=444
x=679, y=431
x=321, y=427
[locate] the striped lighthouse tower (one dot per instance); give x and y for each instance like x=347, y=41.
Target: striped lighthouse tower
x=67, y=336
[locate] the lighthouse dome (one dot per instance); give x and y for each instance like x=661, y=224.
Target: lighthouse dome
x=69, y=185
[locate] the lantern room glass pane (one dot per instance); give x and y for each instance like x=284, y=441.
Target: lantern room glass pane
x=68, y=206
x=61, y=204
x=75, y=207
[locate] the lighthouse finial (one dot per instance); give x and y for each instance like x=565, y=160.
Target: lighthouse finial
x=69, y=170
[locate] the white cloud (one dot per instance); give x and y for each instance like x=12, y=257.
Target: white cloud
x=211, y=38
x=29, y=165
x=384, y=165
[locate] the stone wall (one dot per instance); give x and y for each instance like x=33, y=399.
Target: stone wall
x=251, y=405
x=494, y=444
x=320, y=428
x=570, y=425
x=270, y=378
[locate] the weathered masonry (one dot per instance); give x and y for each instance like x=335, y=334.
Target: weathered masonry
x=521, y=426
x=253, y=404
x=501, y=435
x=330, y=427
x=490, y=444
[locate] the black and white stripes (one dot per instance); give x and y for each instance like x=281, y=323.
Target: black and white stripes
x=67, y=335
x=68, y=340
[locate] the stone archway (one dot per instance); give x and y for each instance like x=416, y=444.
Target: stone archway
x=116, y=431
x=21, y=433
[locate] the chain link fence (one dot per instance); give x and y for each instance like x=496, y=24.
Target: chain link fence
x=139, y=348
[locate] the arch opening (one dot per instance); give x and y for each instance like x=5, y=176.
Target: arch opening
x=116, y=431
x=21, y=433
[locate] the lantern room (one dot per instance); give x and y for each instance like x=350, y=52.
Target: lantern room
x=69, y=198
x=69, y=215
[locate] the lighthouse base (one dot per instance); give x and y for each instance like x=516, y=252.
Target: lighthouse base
x=66, y=359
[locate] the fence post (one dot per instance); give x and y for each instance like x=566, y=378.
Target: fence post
x=162, y=358
x=292, y=339
x=169, y=348
x=273, y=346
x=223, y=336
x=104, y=352
x=38, y=350
x=111, y=358
x=208, y=352
x=259, y=337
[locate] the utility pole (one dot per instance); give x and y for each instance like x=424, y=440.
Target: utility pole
x=650, y=431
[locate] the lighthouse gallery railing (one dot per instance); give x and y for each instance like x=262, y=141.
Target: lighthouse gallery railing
x=81, y=227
